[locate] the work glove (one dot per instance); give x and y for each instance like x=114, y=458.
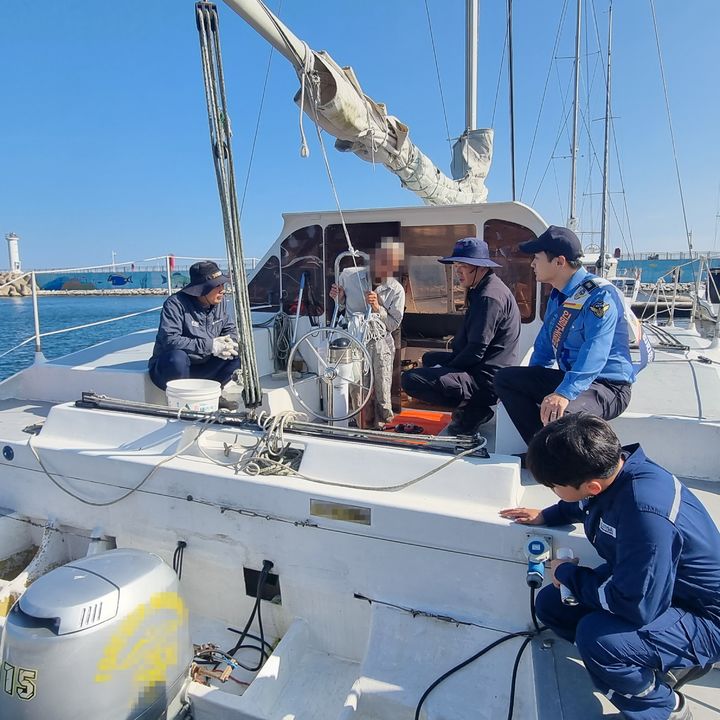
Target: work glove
x=224, y=347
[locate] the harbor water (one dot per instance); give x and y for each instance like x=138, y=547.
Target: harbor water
x=68, y=311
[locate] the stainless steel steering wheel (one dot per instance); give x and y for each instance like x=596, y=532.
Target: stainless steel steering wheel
x=335, y=351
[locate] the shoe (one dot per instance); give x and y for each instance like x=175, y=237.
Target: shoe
x=225, y=404
x=683, y=711
x=677, y=677
x=467, y=422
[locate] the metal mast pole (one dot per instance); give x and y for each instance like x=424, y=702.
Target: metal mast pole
x=605, y=197
x=512, y=96
x=572, y=218
x=471, y=63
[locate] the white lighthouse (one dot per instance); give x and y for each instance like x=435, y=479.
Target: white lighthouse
x=13, y=251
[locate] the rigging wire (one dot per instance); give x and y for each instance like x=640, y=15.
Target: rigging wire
x=257, y=123
x=672, y=133
x=437, y=72
x=499, y=79
x=544, y=94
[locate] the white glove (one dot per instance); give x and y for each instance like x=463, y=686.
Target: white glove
x=224, y=347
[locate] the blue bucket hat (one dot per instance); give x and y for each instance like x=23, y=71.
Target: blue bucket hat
x=472, y=251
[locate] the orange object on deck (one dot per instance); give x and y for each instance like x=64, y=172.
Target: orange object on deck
x=432, y=422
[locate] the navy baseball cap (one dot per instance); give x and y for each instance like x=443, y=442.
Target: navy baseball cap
x=557, y=241
x=472, y=251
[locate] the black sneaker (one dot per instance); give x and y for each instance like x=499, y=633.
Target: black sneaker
x=468, y=422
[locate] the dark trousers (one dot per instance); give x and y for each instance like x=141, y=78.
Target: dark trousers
x=624, y=660
x=522, y=389
x=449, y=387
x=176, y=365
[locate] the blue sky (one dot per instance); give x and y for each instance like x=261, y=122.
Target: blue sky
x=104, y=140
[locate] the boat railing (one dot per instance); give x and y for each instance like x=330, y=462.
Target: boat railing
x=37, y=335
x=168, y=264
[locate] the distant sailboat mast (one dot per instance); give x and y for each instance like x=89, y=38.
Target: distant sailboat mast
x=606, y=154
x=572, y=217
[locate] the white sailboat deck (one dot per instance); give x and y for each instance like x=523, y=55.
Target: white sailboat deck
x=444, y=573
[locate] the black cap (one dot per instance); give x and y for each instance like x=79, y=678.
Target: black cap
x=204, y=276
x=557, y=241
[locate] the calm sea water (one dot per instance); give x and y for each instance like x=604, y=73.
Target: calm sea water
x=16, y=324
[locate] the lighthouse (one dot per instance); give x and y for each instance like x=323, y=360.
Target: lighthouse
x=13, y=251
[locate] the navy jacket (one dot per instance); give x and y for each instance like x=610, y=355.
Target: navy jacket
x=661, y=547
x=488, y=338
x=186, y=325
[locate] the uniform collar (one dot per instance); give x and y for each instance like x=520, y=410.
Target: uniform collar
x=576, y=278
x=633, y=456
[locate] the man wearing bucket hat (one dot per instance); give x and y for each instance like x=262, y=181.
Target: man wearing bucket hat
x=584, y=332
x=196, y=337
x=487, y=341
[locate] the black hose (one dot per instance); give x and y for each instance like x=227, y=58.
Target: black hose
x=527, y=634
x=267, y=566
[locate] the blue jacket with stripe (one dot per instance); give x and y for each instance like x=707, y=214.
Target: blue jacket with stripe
x=596, y=345
x=660, y=546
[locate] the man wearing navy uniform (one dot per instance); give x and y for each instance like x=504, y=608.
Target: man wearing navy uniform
x=648, y=618
x=584, y=332
x=487, y=341
x=196, y=337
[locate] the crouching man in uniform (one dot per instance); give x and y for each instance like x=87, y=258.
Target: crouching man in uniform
x=648, y=618
x=196, y=337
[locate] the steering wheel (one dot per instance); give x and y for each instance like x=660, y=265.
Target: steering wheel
x=333, y=349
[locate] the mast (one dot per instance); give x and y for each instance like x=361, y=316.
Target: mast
x=572, y=218
x=471, y=63
x=606, y=154
x=511, y=100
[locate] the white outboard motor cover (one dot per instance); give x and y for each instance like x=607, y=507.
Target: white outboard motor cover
x=102, y=637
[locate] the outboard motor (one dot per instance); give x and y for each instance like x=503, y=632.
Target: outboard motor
x=102, y=637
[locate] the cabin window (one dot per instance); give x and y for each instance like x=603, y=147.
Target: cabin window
x=301, y=253
x=264, y=288
x=503, y=238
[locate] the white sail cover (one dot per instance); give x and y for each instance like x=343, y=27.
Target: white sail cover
x=364, y=127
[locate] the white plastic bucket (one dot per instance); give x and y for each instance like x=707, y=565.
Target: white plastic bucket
x=202, y=395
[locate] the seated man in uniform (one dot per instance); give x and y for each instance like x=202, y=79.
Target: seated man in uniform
x=196, y=337
x=647, y=620
x=584, y=331
x=487, y=341
x=387, y=303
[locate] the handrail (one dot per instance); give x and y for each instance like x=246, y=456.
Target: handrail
x=79, y=327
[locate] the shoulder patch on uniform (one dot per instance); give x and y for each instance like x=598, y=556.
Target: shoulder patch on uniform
x=599, y=308
x=589, y=284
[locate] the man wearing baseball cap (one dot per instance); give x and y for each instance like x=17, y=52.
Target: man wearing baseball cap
x=196, y=337
x=487, y=341
x=584, y=332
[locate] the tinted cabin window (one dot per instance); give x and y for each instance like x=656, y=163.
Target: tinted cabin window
x=433, y=304
x=264, y=288
x=503, y=238
x=301, y=253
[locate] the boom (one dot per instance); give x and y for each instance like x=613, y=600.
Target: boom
x=331, y=96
